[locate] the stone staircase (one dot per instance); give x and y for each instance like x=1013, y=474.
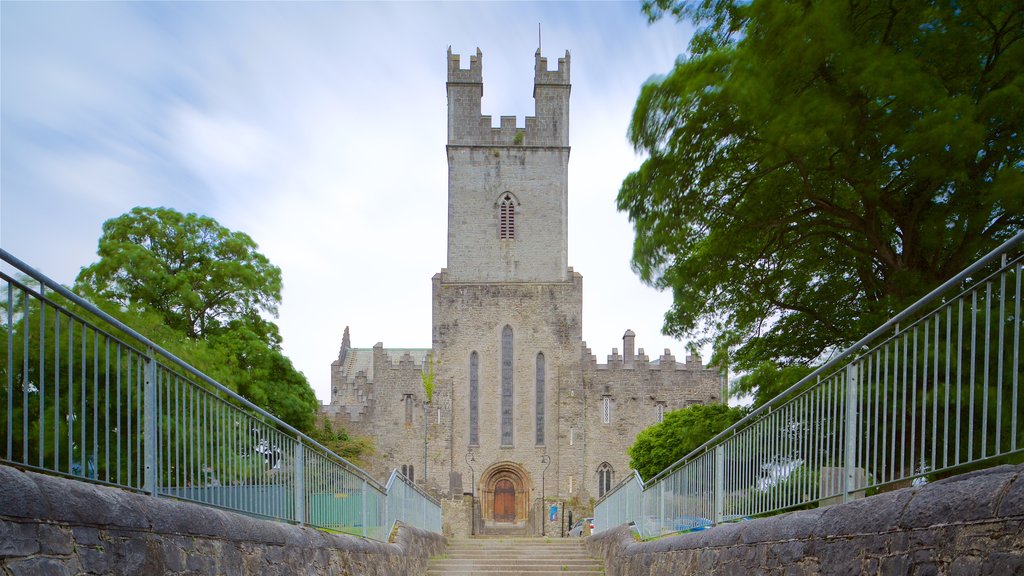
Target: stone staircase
x=515, y=557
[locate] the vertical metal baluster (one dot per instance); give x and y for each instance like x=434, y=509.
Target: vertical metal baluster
x=959, y=377
x=1016, y=359
x=984, y=395
x=924, y=395
x=882, y=478
x=935, y=394
x=999, y=357
x=876, y=445
x=106, y=407
x=117, y=411
x=903, y=411
x=132, y=437
x=971, y=381
x=71, y=392
x=913, y=408
x=141, y=375
x=299, y=463
x=42, y=375
x=95, y=401
x=179, y=433
x=946, y=382
x=82, y=393
x=10, y=370
x=56, y=389
x=26, y=328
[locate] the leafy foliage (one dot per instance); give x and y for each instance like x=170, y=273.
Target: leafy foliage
x=201, y=291
x=350, y=448
x=767, y=381
x=681, y=432
x=815, y=167
x=198, y=275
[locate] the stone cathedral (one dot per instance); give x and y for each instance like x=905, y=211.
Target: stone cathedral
x=519, y=399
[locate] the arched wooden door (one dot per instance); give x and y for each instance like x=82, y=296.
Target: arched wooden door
x=504, y=501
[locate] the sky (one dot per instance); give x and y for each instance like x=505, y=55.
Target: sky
x=319, y=130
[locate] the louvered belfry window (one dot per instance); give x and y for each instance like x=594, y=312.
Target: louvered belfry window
x=507, y=218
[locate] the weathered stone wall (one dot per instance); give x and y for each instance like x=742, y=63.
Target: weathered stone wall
x=455, y=516
x=52, y=526
x=969, y=524
x=634, y=388
x=545, y=318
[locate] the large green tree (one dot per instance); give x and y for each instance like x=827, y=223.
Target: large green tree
x=814, y=167
x=203, y=292
x=681, y=432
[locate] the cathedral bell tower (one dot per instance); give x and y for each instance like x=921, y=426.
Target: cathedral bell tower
x=508, y=186
x=507, y=308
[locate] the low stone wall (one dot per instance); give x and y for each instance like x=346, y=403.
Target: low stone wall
x=51, y=526
x=969, y=524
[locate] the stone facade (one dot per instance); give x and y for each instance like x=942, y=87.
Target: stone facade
x=519, y=396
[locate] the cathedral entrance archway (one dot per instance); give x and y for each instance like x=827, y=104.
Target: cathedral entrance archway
x=506, y=495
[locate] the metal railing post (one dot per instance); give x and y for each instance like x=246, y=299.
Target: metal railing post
x=661, y=506
x=719, y=483
x=149, y=424
x=300, y=483
x=365, y=519
x=850, y=450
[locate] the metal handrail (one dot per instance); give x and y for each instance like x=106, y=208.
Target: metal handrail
x=931, y=390
x=196, y=439
x=885, y=327
x=85, y=304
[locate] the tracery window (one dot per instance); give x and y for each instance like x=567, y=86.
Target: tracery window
x=605, y=477
x=540, y=398
x=606, y=409
x=506, y=386
x=507, y=218
x=474, y=399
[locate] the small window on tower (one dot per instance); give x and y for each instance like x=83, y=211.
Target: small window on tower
x=507, y=218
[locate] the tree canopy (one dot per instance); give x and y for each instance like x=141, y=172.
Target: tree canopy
x=814, y=167
x=201, y=291
x=681, y=432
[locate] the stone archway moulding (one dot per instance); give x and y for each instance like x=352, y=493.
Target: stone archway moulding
x=520, y=480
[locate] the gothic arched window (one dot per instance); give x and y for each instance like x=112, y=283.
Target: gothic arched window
x=540, y=398
x=605, y=477
x=507, y=217
x=506, y=386
x=474, y=398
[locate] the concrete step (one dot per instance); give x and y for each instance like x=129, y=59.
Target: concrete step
x=515, y=556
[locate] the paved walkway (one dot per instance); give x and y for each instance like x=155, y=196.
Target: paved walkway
x=515, y=557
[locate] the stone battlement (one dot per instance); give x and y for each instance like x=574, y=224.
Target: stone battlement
x=549, y=126
x=640, y=361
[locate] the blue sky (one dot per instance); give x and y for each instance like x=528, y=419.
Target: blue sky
x=319, y=130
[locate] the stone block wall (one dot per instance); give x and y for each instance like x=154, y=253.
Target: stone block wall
x=53, y=526
x=967, y=524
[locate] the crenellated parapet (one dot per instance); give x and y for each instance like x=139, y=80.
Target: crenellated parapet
x=630, y=360
x=549, y=126
x=456, y=74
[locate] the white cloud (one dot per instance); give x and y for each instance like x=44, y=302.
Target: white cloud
x=319, y=130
